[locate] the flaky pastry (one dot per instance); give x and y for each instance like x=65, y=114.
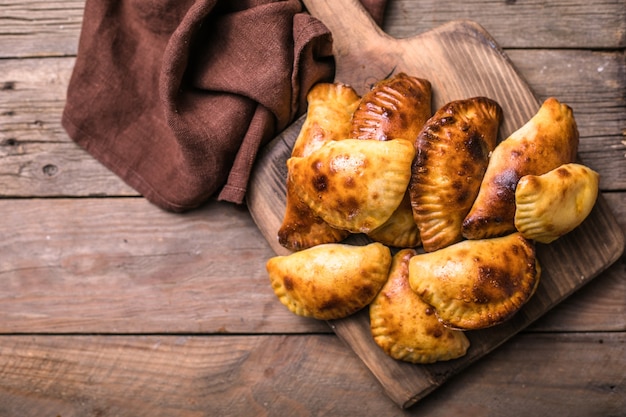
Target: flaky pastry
x=329, y=281
x=405, y=327
x=555, y=203
x=453, y=151
x=475, y=284
x=329, y=112
x=354, y=184
x=549, y=139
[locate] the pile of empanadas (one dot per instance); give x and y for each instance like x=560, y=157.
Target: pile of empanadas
x=461, y=211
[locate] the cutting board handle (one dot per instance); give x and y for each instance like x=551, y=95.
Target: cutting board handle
x=355, y=35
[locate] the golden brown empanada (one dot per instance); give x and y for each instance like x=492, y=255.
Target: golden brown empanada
x=329, y=281
x=553, y=204
x=453, y=151
x=399, y=230
x=395, y=107
x=475, y=284
x=405, y=327
x=549, y=139
x=329, y=112
x=354, y=184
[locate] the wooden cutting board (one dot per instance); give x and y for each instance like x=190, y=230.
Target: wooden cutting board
x=461, y=60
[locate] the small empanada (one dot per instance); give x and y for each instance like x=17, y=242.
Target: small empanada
x=553, y=204
x=329, y=281
x=475, y=284
x=405, y=327
x=395, y=107
x=329, y=112
x=354, y=184
x=549, y=139
x=453, y=151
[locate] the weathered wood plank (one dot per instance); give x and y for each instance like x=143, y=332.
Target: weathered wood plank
x=296, y=376
x=519, y=24
x=33, y=96
x=38, y=28
x=34, y=28
x=594, y=300
x=124, y=266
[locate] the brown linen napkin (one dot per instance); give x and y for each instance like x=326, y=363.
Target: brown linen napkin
x=177, y=96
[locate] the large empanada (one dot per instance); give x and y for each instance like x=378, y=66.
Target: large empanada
x=329, y=281
x=354, y=184
x=395, y=107
x=405, y=327
x=553, y=204
x=453, y=151
x=549, y=139
x=475, y=284
x=329, y=112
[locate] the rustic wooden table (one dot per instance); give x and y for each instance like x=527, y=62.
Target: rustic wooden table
x=112, y=307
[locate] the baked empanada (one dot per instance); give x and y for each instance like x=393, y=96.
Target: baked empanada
x=395, y=107
x=399, y=230
x=329, y=112
x=549, y=139
x=475, y=284
x=354, y=184
x=405, y=327
x=553, y=204
x=329, y=281
x=453, y=151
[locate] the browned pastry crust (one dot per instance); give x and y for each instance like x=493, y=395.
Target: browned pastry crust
x=453, y=151
x=405, y=327
x=549, y=139
x=475, y=284
x=330, y=108
x=329, y=281
x=352, y=184
x=395, y=107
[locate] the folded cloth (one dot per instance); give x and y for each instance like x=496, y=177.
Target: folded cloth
x=177, y=96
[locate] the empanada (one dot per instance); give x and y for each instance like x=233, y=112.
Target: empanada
x=405, y=327
x=453, y=151
x=549, y=139
x=475, y=284
x=553, y=204
x=395, y=107
x=329, y=281
x=354, y=184
x=329, y=112
x=399, y=230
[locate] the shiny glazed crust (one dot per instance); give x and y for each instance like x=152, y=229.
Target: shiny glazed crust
x=395, y=107
x=453, y=151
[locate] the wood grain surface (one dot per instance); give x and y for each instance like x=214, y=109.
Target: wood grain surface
x=178, y=320
x=461, y=60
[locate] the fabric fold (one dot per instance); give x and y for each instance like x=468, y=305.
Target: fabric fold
x=177, y=97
